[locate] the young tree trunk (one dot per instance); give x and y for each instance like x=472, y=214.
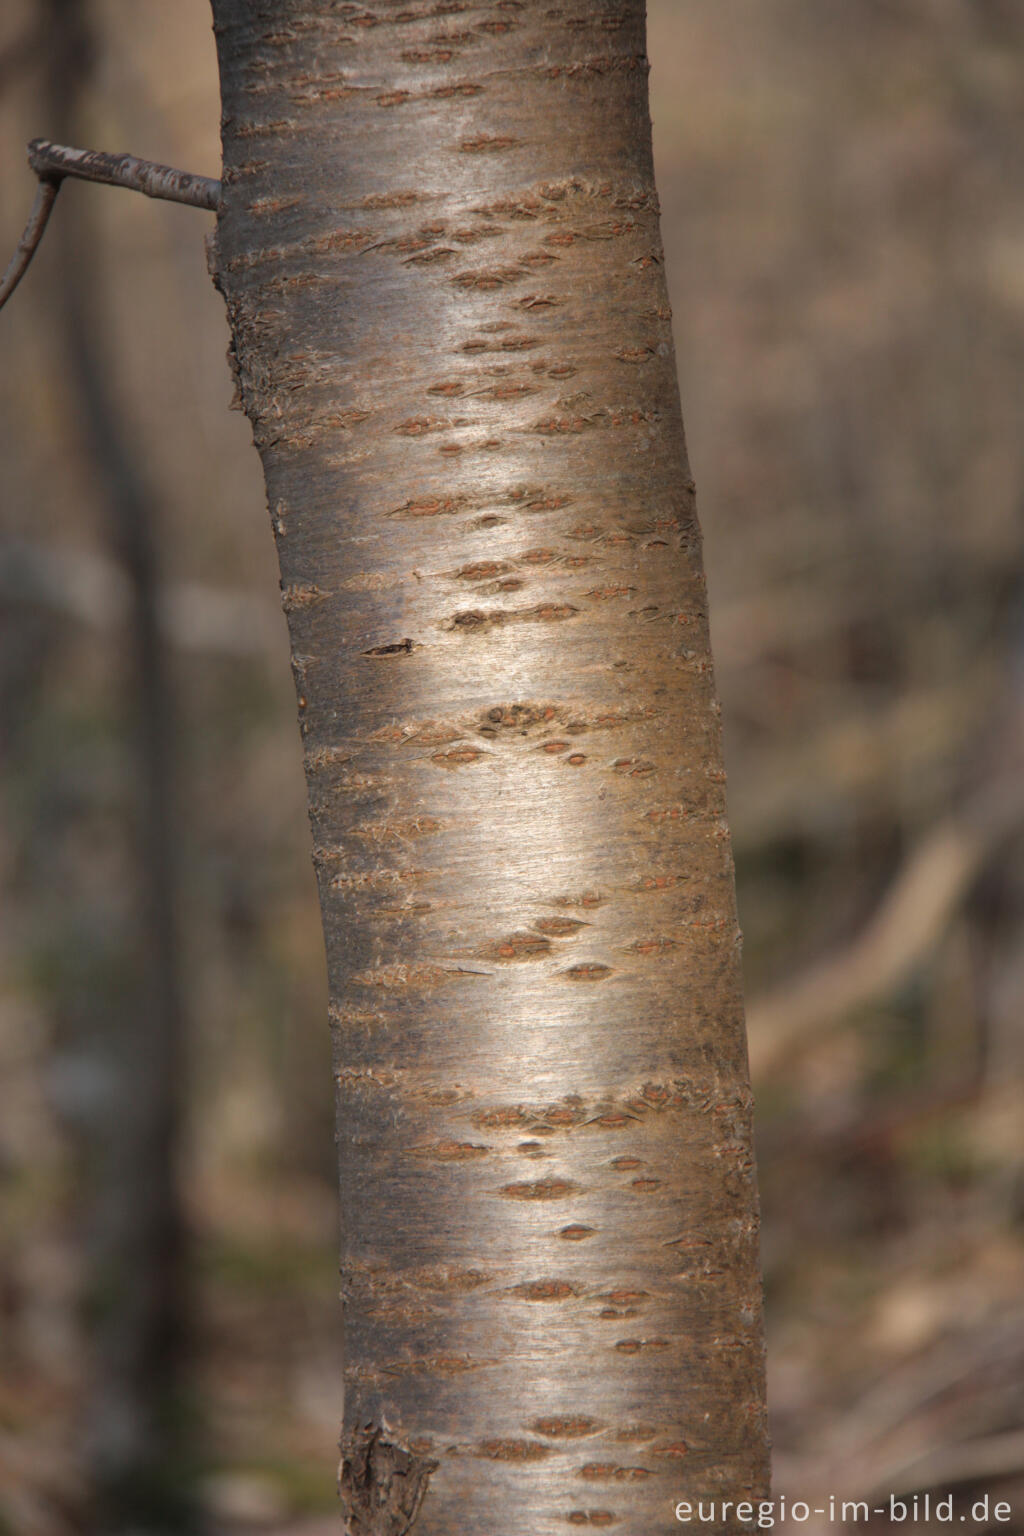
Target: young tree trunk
x=132, y=1039
x=440, y=253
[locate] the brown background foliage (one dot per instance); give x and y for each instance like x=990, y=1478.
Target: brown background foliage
x=843, y=202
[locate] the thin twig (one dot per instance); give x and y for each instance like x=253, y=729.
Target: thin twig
x=163, y=181
x=52, y=162
x=947, y=1467
x=46, y=196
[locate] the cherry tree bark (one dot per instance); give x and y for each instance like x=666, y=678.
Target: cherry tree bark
x=439, y=248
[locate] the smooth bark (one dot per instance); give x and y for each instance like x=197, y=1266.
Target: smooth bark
x=440, y=253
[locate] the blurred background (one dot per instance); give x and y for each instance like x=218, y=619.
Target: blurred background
x=843, y=196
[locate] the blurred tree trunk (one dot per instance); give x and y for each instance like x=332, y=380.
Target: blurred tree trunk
x=440, y=253
x=131, y=1041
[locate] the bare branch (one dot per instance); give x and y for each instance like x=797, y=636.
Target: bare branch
x=51, y=161
x=46, y=196
x=953, y=1466
x=909, y=920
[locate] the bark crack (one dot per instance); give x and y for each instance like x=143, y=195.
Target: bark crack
x=382, y=1485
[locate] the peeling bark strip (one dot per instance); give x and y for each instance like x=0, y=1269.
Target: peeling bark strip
x=439, y=247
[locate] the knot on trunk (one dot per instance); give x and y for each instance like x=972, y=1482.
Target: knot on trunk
x=382, y=1485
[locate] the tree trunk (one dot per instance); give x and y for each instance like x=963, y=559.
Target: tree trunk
x=135, y=1438
x=440, y=253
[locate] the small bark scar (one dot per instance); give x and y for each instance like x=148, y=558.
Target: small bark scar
x=382, y=1485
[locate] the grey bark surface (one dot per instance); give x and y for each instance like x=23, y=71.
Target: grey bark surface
x=439, y=248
